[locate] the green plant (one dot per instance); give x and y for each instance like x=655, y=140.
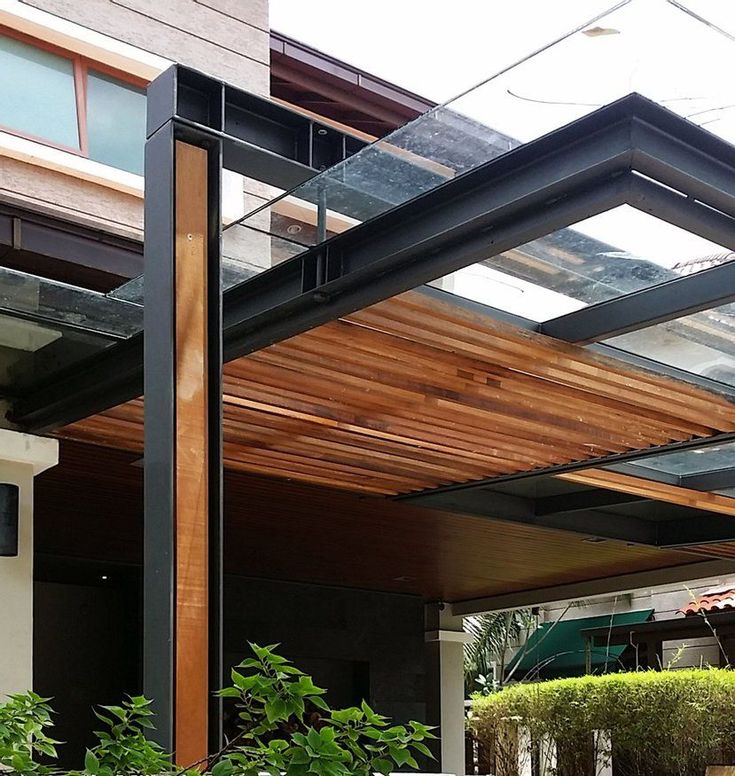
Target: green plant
x=24, y=719
x=123, y=747
x=659, y=722
x=285, y=726
x=492, y=634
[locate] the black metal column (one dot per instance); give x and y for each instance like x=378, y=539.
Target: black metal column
x=161, y=423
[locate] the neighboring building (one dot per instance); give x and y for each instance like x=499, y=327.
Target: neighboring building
x=687, y=625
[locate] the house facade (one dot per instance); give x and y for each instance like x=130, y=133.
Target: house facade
x=343, y=538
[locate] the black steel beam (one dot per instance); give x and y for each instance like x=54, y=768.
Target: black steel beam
x=683, y=296
x=583, y=500
x=286, y=300
x=589, y=522
x=706, y=528
x=260, y=138
x=718, y=479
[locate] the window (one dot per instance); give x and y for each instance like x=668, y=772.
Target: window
x=64, y=100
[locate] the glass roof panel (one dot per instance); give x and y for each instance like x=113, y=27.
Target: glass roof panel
x=70, y=307
x=46, y=326
x=33, y=350
x=702, y=343
x=695, y=461
x=600, y=258
x=657, y=48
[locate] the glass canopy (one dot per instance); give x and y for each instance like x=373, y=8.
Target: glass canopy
x=636, y=46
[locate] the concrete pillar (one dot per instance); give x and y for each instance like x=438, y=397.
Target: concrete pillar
x=22, y=457
x=445, y=640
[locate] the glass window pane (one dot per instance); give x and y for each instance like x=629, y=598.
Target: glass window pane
x=115, y=122
x=702, y=343
x=37, y=95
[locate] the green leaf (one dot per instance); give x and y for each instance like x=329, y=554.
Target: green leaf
x=320, y=703
x=275, y=710
x=400, y=756
x=382, y=765
x=91, y=763
x=419, y=747
x=223, y=768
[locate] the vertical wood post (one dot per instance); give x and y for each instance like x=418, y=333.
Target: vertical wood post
x=191, y=477
x=183, y=447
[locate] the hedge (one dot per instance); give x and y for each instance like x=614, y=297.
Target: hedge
x=660, y=722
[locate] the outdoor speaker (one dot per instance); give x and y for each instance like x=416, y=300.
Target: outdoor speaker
x=8, y=520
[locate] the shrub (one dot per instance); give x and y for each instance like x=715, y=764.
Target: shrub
x=284, y=725
x=660, y=722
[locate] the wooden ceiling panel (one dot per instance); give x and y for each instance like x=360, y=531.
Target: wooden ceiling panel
x=91, y=507
x=417, y=392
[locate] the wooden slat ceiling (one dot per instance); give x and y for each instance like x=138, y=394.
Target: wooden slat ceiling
x=91, y=507
x=417, y=392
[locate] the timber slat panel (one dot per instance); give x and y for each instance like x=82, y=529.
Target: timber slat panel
x=716, y=550
x=417, y=392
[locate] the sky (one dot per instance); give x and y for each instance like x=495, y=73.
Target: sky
x=435, y=48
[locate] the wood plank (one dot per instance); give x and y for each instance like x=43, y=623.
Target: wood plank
x=416, y=392
x=192, y=597
x=660, y=491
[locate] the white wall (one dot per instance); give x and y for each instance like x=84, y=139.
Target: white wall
x=21, y=457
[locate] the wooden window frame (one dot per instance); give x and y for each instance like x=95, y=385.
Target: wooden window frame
x=81, y=66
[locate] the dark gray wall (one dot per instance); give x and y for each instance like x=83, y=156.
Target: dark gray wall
x=86, y=652
x=87, y=637
x=332, y=632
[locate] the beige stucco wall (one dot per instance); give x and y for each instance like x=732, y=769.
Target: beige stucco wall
x=21, y=457
x=225, y=38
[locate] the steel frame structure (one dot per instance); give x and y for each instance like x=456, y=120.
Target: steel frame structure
x=630, y=152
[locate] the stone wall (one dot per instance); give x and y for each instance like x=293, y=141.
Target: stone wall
x=334, y=632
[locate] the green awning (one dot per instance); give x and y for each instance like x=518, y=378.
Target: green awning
x=560, y=649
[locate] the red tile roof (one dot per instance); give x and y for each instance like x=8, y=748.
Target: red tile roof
x=714, y=600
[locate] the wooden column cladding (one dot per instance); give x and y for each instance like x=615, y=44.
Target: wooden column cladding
x=191, y=455
x=182, y=539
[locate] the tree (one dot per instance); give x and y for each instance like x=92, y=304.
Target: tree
x=492, y=635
